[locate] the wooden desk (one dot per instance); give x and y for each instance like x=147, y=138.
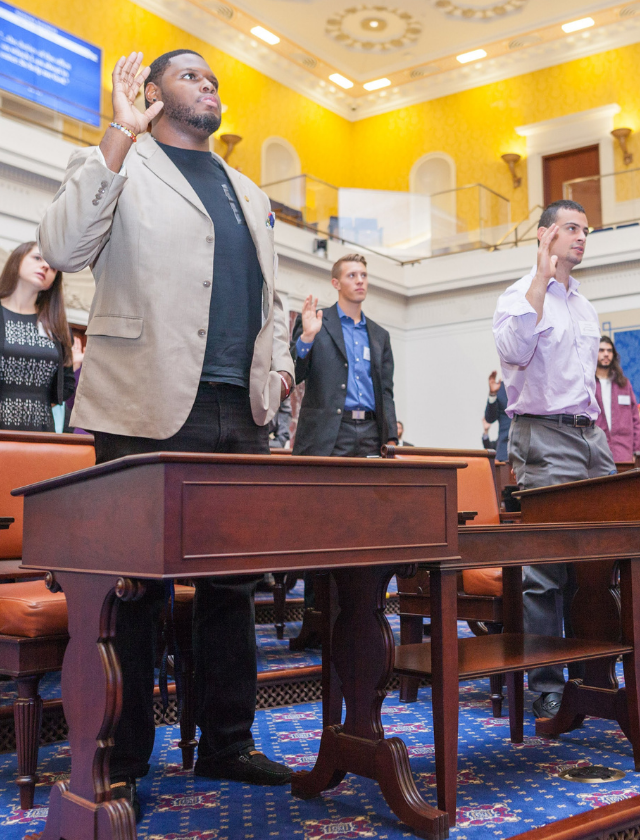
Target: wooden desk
x=512, y=652
x=596, y=611
x=173, y=515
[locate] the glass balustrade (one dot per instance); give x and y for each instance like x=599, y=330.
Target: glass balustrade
x=610, y=200
x=401, y=225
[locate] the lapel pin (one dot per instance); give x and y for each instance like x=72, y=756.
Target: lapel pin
x=246, y=198
x=271, y=220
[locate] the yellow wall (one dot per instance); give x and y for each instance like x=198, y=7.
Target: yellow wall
x=475, y=127
x=258, y=107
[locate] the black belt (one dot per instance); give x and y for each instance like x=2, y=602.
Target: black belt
x=580, y=421
x=359, y=415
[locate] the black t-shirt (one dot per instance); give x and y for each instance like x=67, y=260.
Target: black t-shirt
x=235, y=313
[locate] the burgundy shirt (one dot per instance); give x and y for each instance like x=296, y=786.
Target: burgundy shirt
x=624, y=436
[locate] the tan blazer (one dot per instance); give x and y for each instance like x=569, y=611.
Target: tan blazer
x=150, y=244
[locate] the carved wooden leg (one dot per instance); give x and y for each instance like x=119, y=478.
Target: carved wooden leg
x=27, y=715
x=411, y=633
x=497, y=697
x=362, y=649
x=513, y=622
x=445, y=686
x=81, y=809
x=630, y=598
x=279, y=599
x=188, y=742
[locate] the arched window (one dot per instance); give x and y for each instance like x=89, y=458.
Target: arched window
x=280, y=163
x=434, y=174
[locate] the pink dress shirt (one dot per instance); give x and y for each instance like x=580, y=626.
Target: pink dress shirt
x=548, y=368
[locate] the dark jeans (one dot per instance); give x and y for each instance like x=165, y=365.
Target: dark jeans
x=356, y=439
x=223, y=621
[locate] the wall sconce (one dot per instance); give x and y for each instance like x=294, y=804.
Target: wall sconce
x=622, y=135
x=511, y=160
x=230, y=141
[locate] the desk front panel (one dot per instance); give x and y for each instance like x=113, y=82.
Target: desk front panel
x=190, y=519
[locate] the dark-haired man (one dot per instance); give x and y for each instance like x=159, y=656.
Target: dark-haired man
x=346, y=362
x=184, y=353
x=619, y=418
x=547, y=336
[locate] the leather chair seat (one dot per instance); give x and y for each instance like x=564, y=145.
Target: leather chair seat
x=30, y=610
x=483, y=581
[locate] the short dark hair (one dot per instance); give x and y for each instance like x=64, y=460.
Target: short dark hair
x=157, y=68
x=550, y=213
x=336, y=270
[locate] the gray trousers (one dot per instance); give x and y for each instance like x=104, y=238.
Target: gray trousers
x=544, y=452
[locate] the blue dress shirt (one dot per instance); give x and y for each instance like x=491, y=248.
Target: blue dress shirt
x=360, y=396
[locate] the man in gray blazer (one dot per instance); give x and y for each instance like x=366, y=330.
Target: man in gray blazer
x=346, y=363
x=183, y=354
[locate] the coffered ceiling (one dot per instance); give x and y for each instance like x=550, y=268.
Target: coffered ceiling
x=413, y=44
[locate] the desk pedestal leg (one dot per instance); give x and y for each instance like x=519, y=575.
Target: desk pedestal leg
x=445, y=686
x=630, y=597
x=81, y=809
x=362, y=651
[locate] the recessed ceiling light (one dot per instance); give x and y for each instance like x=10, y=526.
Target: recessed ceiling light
x=341, y=80
x=471, y=56
x=265, y=35
x=373, y=23
x=377, y=84
x=576, y=25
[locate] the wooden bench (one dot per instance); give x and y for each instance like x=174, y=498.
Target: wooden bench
x=479, y=590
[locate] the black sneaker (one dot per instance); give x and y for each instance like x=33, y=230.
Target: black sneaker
x=248, y=766
x=547, y=705
x=126, y=789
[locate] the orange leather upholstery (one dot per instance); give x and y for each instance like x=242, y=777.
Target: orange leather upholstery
x=25, y=459
x=29, y=610
x=476, y=491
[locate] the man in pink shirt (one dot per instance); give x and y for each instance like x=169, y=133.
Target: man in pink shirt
x=619, y=418
x=547, y=335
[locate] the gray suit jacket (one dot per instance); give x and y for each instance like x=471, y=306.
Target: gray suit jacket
x=324, y=371
x=150, y=244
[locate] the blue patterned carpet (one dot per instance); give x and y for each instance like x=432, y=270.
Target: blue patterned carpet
x=504, y=789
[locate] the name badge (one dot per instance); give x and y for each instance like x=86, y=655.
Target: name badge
x=366, y=353
x=590, y=328
x=624, y=399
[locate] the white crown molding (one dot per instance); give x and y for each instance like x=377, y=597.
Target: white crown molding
x=228, y=40
x=519, y=63
x=266, y=61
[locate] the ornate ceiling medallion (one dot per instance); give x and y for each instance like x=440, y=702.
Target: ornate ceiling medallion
x=373, y=29
x=479, y=10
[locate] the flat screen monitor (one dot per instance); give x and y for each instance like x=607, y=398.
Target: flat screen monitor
x=49, y=66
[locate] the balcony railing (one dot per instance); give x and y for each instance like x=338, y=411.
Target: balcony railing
x=405, y=227
x=615, y=198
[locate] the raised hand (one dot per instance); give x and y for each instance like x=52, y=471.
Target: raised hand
x=128, y=77
x=547, y=263
x=494, y=383
x=311, y=319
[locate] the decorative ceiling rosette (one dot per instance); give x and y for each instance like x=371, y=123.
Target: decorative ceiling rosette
x=480, y=10
x=373, y=29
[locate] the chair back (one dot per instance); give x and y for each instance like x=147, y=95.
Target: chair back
x=27, y=457
x=476, y=491
x=476, y=483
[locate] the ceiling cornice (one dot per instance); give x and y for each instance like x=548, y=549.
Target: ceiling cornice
x=219, y=34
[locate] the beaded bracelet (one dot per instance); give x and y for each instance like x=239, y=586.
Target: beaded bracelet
x=133, y=137
x=287, y=387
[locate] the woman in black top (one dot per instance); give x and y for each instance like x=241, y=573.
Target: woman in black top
x=36, y=369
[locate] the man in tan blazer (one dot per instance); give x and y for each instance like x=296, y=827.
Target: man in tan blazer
x=187, y=350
